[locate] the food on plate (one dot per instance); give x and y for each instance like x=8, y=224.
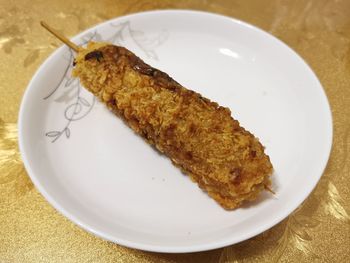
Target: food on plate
x=199, y=136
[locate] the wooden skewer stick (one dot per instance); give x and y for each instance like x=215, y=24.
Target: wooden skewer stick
x=60, y=37
x=269, y=189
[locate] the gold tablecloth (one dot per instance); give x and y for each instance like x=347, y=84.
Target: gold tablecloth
x=32, y=231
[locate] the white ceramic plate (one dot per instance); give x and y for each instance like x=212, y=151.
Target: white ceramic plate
x=99, y=174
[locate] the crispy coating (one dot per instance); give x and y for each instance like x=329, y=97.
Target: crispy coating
x=198, y=135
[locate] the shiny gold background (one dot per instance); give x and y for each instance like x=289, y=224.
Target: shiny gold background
x=32, y=231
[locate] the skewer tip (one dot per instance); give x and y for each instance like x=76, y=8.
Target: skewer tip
x=60, y=36
x=269, y=189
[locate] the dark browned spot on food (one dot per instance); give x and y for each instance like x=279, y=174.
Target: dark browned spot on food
x=98, y=55
x=187, y=96
x=169, y=132
x=236, y=176
x=112, y=102
x=140, y=66
x=188, y=155
x=172, y=88
x=74, y=62
x=143, y=69
x=216, y=128
x=160, y=78
x=161, y=75
x=134, y=122
x=205, y=100
x=193, y=128
x=167, y=83
x=253, y=154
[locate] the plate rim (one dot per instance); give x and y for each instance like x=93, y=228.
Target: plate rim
x=229, y=240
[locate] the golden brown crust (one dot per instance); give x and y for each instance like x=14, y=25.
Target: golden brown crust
x=198, y=135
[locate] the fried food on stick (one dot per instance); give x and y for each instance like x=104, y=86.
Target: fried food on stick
x=198, y=135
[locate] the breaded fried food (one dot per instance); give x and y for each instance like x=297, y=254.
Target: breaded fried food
x=198, y=135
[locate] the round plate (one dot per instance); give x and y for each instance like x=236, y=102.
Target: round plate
x=97, y=172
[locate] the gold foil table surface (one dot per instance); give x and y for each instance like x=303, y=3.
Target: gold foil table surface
x=318, y=231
